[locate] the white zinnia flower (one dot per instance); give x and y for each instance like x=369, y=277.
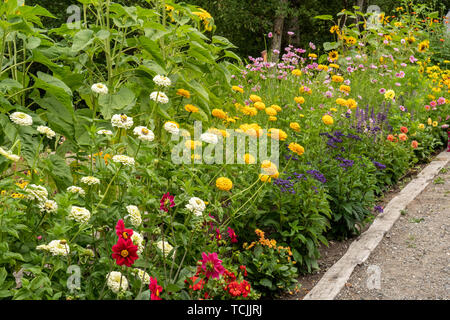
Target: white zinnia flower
x=141, y=275
x=75, y=189
x=144, y=134
x=209, y=138
x=48, y=206
x=47, y=131
x=122, y=121
x=116, y=281
x=21, y=119
x=43, y=247
x=125, y=160
x=90, y=180
x=105, y=132
x=135, y=215
x=171, y=127
x=81, y=215
x=99, y=88
x=167, y=247
x=9, y=155
x=138, y=240
x=35, y=192
x=162, y=81
x=162, y=98
x=196, y=205
x=59, y=248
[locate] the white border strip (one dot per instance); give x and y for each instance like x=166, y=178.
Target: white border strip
x=335, y=278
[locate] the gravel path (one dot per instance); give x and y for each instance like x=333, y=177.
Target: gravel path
x=412, y=262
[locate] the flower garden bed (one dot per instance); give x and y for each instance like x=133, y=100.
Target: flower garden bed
x=118, y=177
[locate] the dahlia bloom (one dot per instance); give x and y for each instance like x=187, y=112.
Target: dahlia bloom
x=121, y=231
x=166, y=202
x=155, y=289
x=125, y=252
x=212, y=265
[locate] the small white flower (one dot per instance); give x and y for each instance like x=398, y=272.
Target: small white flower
x=81, y=215
x=47, y=131
x=35, y=192
x=209, y=138
x=171, y=127
x=162, y=98
x=9, y=155
x=125, y=160
x=105, y=132
x=144, y=134
x=116, y=281
x=164, y=246
x=90, y=180
x=196, y=205
x=48, y=206
x=122, y=121
x=138, y=240
x=99, y=88
x=21, y=119
x=162, y=81
x=135, y=215
x=59, y=248
x=141, y=275
x=75, y=189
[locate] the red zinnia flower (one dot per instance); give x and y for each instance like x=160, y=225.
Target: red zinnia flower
x=124, y=251
x=166, y=202
x=404, y=129
x=229, y=276
x=122, y=232
x=234, y=288
x=232, y=235
x=155, y=289
x=245, y=288
x=212, y=265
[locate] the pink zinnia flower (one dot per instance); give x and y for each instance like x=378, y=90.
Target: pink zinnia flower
x=212, y=265
x=427, y=107
x=290, y=33
x=382, y=90
x=433, y=103
x=166, y=202
x=412, y=59
x=270, y=35
x=441, y=100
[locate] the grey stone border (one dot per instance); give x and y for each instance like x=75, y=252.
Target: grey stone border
x=335, y=278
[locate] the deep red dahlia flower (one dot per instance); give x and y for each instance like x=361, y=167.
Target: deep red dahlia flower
x=212, y=265
x=124, y=251
x=155, y=289
x=121, y=231
x=166, y=202
x=232, y=235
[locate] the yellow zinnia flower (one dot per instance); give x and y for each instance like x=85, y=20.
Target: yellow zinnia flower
x=224, y=184
x=327, y=119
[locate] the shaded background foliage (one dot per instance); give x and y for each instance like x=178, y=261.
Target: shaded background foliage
x=245, y=23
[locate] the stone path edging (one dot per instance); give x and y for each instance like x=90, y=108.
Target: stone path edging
x=335, y=278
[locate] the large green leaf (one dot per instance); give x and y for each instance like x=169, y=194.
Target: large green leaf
x=120, y=102
x=59, y=171
x=82, y=39
x=56, y=88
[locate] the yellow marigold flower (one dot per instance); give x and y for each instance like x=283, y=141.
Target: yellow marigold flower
x=334, y=66
x=265, y=178
x=277, y=134
x=328, y=120
x=295, y=147
x=294, y=126
x=249, y=111
x=345, y=88
x=333, y=55
x=259, y=105
x=191, y=144
x=337, y=78
x=276, y=107
x=272, y=118
x=224, y=184
x=184, y=93
x=269, y=168
x=341, y=101
x=219, y=113
x=238, y=89
x=299, y=100
x=255, y=98
x=390, y=94
x=297, y=72
x=249, y=159
x=271, y=111
x=351, y=103
x=253, y=129
x=312, y=55
x=190, y=108
x=230, y=120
